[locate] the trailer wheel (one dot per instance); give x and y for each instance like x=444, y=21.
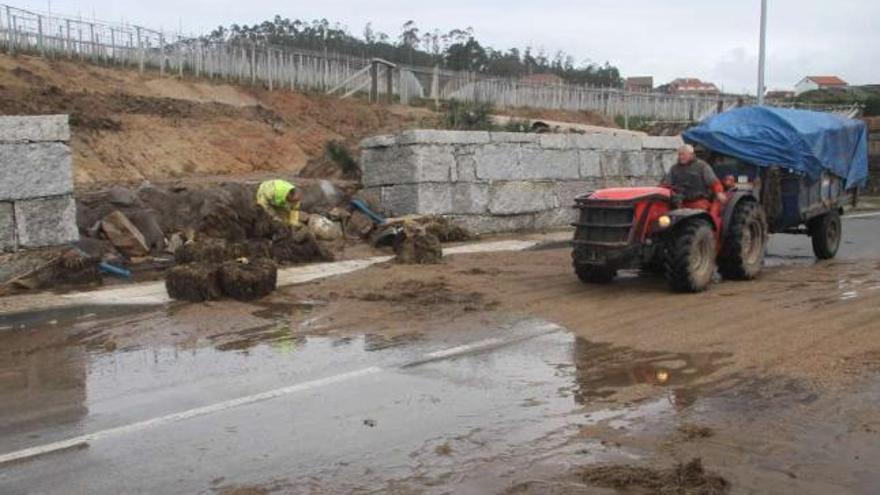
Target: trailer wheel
x=826, y=232
x=594, y=274
x=690, y=260
x=745, y=242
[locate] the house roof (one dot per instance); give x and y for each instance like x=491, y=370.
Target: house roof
x=827, y=80
x=692, y=84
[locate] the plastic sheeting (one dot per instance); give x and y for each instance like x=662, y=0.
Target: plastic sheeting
x=807, y=142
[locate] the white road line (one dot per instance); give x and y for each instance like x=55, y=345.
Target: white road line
x=463, y=349
x=490, y=247
x=49, y=448
x=192, y=413
x=863, y=215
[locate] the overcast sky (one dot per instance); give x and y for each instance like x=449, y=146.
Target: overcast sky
x=715, y=40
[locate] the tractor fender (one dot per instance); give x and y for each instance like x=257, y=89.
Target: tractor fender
x=682, y=214
x=734, y=199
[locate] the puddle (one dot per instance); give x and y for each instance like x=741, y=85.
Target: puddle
x=456, y=418
x=286, y=311
x=66, y=315
x=601, y=369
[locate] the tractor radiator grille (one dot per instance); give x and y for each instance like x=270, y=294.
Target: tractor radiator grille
x=604, y=224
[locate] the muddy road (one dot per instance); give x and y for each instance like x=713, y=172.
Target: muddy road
x=489, y=373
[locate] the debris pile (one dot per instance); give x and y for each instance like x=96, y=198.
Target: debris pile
x=445, y=230
x=150, y=223
x=415, y=245
x=687, y=477
x=247, y=281
x=241, y=279
x=193, y=282
x=49, y=267
x=144, y=231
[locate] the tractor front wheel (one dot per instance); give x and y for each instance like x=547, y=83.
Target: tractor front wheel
x=594, y=274
x=826, y=232
x=690, y=259
x=745, y=243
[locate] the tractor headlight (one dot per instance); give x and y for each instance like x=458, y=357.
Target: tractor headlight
x=664, y=221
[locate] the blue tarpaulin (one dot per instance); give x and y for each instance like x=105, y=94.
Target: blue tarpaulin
x=807, y=142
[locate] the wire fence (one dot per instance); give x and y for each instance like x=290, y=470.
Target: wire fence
x=273, y=67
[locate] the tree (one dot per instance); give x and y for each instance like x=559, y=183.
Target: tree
x=457, y=49
x=369, y=36
x=469, y=56
x=409, y=38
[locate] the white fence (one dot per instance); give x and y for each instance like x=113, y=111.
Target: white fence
x=285, y=68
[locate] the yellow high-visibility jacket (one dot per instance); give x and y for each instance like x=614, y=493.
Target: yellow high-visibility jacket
x=272, y=197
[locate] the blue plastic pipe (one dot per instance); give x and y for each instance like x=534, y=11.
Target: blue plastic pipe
x=375, y=217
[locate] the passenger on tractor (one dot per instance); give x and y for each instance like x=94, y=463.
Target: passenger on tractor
x=694, y=181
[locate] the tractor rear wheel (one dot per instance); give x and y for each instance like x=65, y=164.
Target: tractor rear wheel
x=594, y=274
x=826, y=232
x=690, y=259
x=745, y=243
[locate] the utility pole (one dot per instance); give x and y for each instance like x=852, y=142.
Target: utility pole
x=762, y=52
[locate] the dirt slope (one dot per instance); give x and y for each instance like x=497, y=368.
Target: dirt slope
x=128, y=127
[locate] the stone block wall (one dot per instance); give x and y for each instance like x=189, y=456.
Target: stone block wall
x=500, y=181
x=36, y=183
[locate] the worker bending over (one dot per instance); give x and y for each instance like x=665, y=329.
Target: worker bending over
x=694, y=180
x=281, y=199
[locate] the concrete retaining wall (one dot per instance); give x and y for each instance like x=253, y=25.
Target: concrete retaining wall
x=496, y=182
x=36, y=183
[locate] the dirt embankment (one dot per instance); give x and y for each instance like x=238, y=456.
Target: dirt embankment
x=129, y=127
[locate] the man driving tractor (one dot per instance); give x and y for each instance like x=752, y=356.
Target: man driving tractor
x=694, y=180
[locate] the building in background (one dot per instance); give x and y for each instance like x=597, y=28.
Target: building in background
x=690, y=86
x=812, y=83
x=639, y=83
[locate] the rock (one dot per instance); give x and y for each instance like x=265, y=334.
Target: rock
x=339, y=214
x=359, y=225
x=324, y=229
x=300, y=247
x=147, y=223
x=123, y=196
x=174, y=243
x=124, y=235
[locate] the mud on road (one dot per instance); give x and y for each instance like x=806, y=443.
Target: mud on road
x=764, y=366
x=767, y=386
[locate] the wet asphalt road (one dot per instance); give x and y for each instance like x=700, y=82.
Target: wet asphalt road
x=268, y=408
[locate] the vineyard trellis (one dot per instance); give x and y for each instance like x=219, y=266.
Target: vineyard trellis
x=258, y=63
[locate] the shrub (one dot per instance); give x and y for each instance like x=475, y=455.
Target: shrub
x=338, y=153
x=469, y=116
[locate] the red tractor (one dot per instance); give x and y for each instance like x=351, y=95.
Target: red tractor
x=784, y=170
x=646, y=227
